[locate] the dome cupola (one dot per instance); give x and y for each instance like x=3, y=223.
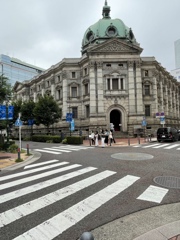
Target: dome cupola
x=105, y=29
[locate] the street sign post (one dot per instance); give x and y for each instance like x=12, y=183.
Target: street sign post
x=19, y=124
x=69, y=117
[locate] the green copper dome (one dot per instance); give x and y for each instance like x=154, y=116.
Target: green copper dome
x=105, y=29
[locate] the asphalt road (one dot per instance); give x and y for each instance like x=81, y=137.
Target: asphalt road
x=112, y=182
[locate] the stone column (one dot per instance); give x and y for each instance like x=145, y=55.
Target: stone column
x=155, y=95
x=53, y=87
x=139, y=94
x=132, y=106
x=100, y=98
x=65, y=95
x=92, y=90
x=166, y=107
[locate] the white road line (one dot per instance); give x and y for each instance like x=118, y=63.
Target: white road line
x=172, y=146
x=35, y=177
x=23, y=210
x=61, y=222
x=58, y=150
x=66, y=148
x=33, y=188
x=153, y=194
x=162, y=145
x=40, y=164
x=32, y=171
x=137, y=146
x=153, y=145
x=77, y=147
x=46, y=151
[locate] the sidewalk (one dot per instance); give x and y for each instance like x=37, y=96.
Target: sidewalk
x=123, y=142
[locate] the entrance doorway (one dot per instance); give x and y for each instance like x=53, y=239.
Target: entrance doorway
x=115, y=118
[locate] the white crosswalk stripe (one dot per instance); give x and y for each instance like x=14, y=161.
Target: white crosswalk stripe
x=40, y=164
x=63, y=149
x=32, y=171
x=153, y=194
x=63, y=220
x=159, y=145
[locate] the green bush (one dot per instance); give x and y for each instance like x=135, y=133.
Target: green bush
x=13, y=148
x=45, y=138
x=74, y=140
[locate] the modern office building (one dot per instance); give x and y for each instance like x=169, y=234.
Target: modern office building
x=176, y=74
x=109, y=83
x=17, y=70
x=177, y=53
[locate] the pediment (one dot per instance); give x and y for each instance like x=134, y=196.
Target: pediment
x=116, y=46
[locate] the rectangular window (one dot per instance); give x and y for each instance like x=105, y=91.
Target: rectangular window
x=115, y=83
x=59, y=78
x=73, y=92
x=86, y=89
x=87, y=111
x=108, y=84
x=147, y=110
x=85, y=71
x=147, y=89
x=73, y=74
x=122, y=83
x=146, y=73
x=75, y=112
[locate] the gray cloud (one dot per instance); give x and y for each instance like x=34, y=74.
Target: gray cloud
x=42, y=32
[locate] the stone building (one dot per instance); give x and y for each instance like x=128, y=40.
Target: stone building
x=109, y=83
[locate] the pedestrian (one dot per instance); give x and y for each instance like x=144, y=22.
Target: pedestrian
x=110, y=137
x=102, y=139
x=96, y=139
x=106, y=137
x=93, y=138
x=113, y=140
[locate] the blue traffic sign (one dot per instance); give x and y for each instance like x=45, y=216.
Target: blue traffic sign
x=144, y=123
x=69, y=117
x=18, y=123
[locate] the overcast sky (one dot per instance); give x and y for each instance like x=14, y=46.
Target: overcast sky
x=43, y=32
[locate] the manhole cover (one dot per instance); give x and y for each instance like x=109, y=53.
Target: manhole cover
x=132, y=156
x=168, y=181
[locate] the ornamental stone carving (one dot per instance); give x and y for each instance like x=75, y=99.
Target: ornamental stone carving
x=115, y=47
x=91, y=64
x=155, y=73
x=64, y=74
x=131, y=63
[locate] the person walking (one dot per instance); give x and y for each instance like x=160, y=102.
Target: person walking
x=93, y=138
x=106, y=137
x=96, y=139
x=110, y=137
x=102, y=139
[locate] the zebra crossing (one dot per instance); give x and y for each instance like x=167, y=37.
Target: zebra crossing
x=63, y=220
x=160, y=145
x=62, y=149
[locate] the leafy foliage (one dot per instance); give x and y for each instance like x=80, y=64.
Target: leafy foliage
x=5, y=89
x=27, y=109
x=46, y=111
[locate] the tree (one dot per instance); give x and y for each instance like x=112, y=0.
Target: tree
x=46, y=111
x=5, y=89
x=17, y=108
x=27, y=109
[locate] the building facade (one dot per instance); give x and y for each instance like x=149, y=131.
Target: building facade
x=16, y=70
x=109, y=83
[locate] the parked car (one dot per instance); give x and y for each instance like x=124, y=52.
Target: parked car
x=179, y=134
x=167, y=133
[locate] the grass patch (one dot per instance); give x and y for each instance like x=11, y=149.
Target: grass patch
x=19, y=160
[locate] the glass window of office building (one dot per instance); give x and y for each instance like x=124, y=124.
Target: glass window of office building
x=17, y=70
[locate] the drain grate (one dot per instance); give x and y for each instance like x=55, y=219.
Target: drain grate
x=168, y=181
